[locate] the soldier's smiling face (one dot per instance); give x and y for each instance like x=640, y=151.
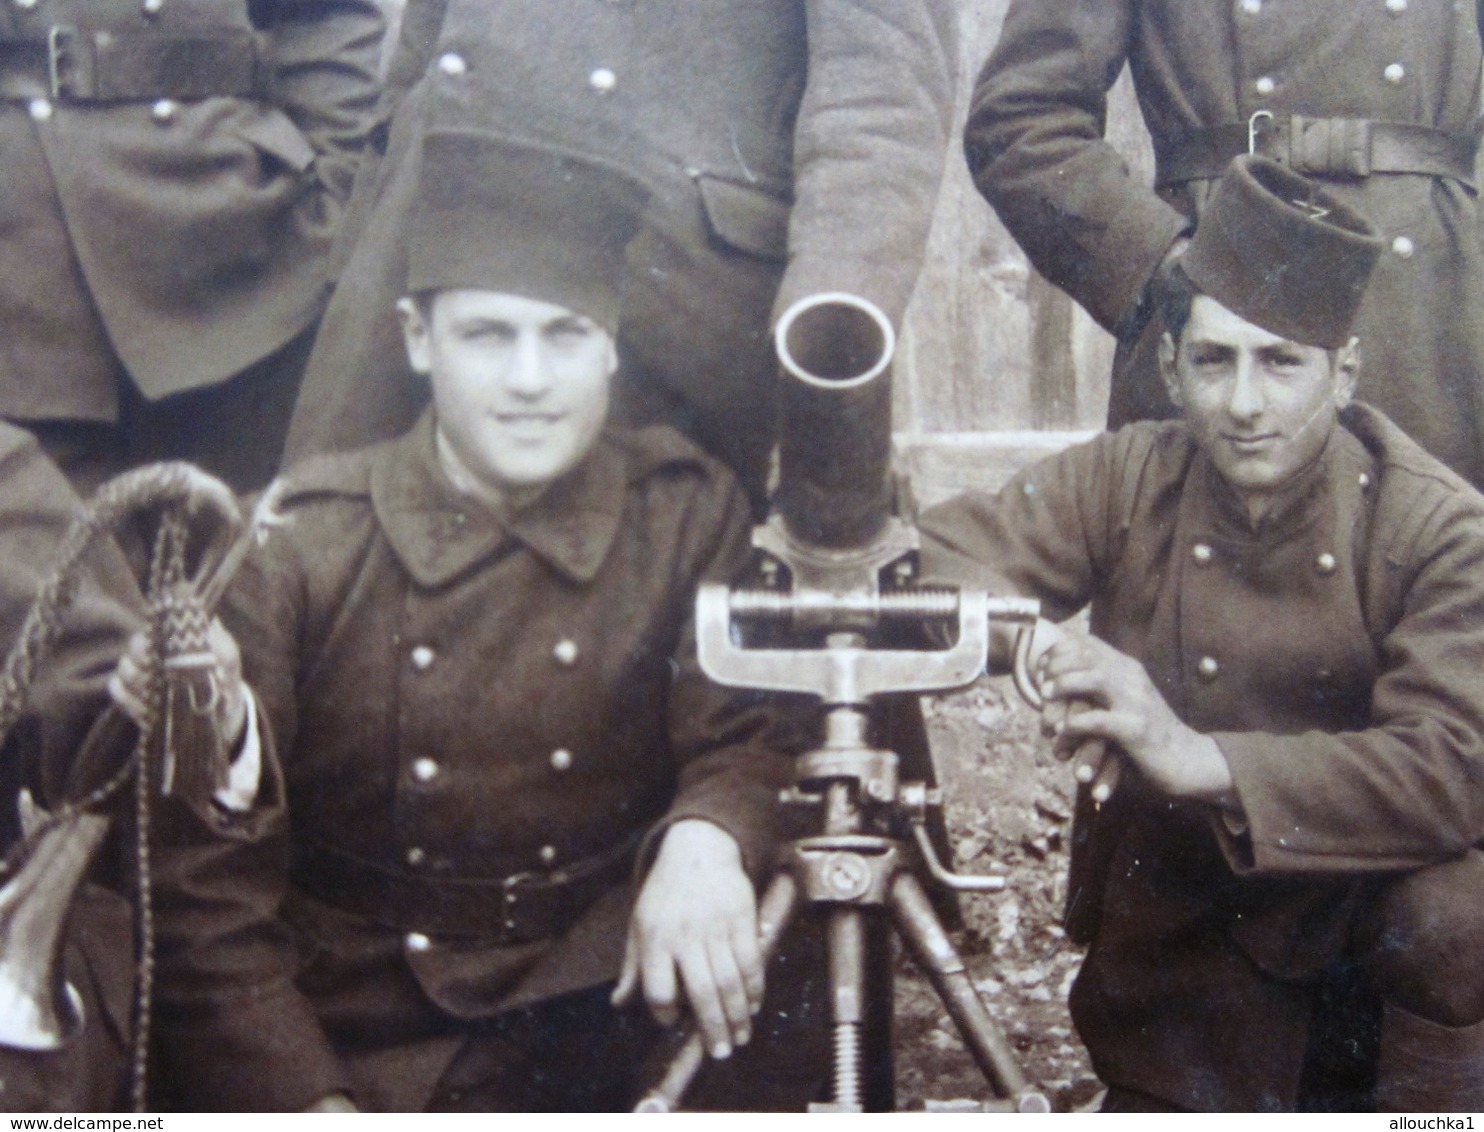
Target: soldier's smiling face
x=1261, y=406
x=520, y=387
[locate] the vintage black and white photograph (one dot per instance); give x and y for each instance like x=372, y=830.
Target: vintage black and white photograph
x=816, y=556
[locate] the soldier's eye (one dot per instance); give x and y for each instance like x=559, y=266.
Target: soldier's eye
x=569, y=330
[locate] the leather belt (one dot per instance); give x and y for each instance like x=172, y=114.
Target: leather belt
x=81, y=66
x=1334, y=148
x=516, y=909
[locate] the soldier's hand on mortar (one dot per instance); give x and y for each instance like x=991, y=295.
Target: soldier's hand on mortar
x=1117, y=703
x=695, y=925
x=129, y=684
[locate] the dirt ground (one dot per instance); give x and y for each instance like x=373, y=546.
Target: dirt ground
x=1009, y=812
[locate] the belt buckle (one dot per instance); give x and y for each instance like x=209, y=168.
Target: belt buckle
x=1256, y=135
x=69, y=63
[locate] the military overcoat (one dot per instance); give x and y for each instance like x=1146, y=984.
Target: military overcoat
x=1036, y=147
x=791, y=146
x=171, y=178
x=1334, y=653
x=468, y=709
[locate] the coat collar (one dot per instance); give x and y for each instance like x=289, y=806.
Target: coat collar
x=1335, y=475
x=439, y=533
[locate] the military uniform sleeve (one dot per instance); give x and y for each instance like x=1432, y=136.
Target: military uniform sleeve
x=1034, y=143
x=324, y=56
x=37, y=506
x=735, y=747
x=870, y=147
x=1408, y=790
x=1051, y=533
x=240, y=1036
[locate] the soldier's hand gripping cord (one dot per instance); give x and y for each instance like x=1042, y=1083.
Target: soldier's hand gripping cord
x=1118, y=704
x=230, y=711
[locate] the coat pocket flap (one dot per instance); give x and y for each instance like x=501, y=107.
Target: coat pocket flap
x=276, y=135
x=747, y=219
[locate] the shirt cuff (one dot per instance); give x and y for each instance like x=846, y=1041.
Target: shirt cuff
x=246, y=772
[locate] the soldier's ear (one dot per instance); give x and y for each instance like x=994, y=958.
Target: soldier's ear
x=416, y=334
x=1346, y=372
x=612, y=355
x=1168, y=370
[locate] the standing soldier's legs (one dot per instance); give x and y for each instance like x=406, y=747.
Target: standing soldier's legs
x=234, y=430
x=695, y=345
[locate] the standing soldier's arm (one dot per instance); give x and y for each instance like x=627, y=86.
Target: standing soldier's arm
x=1035, y=147
x=324, y=59
x=869, y=147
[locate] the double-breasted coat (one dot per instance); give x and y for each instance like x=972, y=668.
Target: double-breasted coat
x=479, y=719
x=168, y=203
x=1334, y=653
x=791, y=147
x=1035, y=145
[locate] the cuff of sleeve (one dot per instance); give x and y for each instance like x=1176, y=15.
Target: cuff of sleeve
x=246, y=771
x=1121, y=300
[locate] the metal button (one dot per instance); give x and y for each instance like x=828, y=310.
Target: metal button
x=164, y=110
x=1266, y=85
x=416, y=941
x=565, y=653
x=1202, y=554
x=1396, y=6
x=561, y=759
x=423, y=657
x=602, y=80
x=548, y=854
x=25, y=5
x=1208, y=668
x=451, y=63
x=1364, y=479
x=424, y=769
x=152, y=7
x=416, y=855
x=1325, y=563
x=1324, y=675
x=40, y=109
x=1252, y=7
x=1394, y=73
x=1403, y=246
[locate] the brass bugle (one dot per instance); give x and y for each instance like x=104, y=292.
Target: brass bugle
x=38, y=1009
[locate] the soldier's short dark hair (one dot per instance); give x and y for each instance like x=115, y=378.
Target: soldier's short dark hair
x=1173, y=295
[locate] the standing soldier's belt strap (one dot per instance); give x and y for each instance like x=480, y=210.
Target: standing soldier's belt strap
x=1331, y=148
x=81, y=66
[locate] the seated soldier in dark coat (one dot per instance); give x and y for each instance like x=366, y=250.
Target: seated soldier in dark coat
x=508, y=782
x=1287, y=603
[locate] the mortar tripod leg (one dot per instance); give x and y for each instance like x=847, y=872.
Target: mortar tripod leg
x=940, y=961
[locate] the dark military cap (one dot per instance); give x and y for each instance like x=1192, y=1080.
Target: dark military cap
x=497, y=214
x=1281, y=252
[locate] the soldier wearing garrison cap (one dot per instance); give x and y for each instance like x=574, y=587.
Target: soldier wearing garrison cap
x=1379, y=100
x=508, y=783
x=1279, y=884
x=174, y=172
